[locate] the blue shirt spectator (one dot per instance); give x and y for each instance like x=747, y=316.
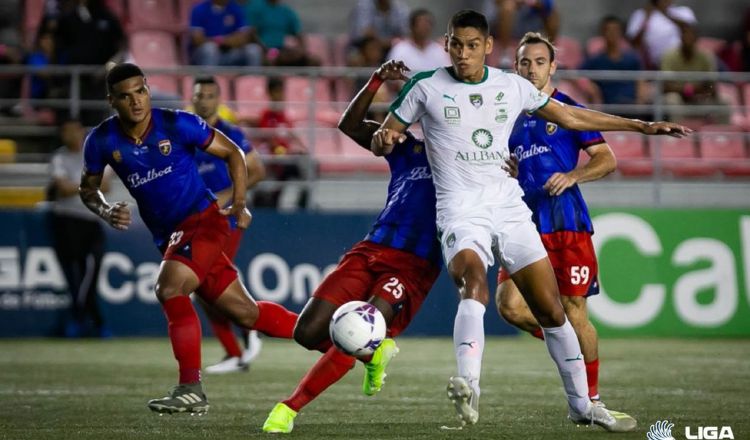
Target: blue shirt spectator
x=382, y=19
x=220, y=36
x=272, y=21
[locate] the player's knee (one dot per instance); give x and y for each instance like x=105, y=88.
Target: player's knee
x=555, y=317
x=165, y=291
x=472, y=285
x=306, y=336
x=512, y=315
x=246, y=316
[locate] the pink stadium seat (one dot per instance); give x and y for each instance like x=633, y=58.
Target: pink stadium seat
x=251, y=95
x=164, y=84
x=299, y=92
x=679, y=157
x=572, y=89
x=118, y=8
x=730, y=94
x=319, y=46
x=711, y=44
x=32, y=16
x=723, y=146
x=224, y=86
x=340, y=49
x=153, y=48
x=153, y=14
x=184, y=7
x=353, y=158
x=569, y=52
x=632, y=157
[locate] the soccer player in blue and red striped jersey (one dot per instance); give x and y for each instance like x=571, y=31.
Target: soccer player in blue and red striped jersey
x=213, y=170
x=549, y=174
x=394, y=267
x=152, y=151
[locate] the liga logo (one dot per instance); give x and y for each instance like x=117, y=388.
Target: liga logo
x=165, y=147
x=662, y=430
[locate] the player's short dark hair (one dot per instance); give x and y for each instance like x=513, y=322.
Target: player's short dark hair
x=274, y=83
x=537, y=38
x=121, y=72
x=469, y=18
x=607, y=19
x=415, y=14
x=202, y=80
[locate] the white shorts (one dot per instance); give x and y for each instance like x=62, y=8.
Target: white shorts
x=507, y=233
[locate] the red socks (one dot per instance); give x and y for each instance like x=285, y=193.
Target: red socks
x=592, y=375
x=331, y=367
x=274, y=320
x=185, y=334
x=222, y=328
x=537, y=333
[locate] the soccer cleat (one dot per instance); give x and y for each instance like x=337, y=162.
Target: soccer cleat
x=375, y=369
x=465, y=399
x=253, y=345
x=183, y=398
x=228, y=365
x=598, y=414
x=280, y=419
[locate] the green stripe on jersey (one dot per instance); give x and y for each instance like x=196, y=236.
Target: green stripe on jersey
x=408, y=86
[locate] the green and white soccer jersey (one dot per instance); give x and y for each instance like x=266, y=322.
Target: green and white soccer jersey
x=466, y=128
x=466, y=125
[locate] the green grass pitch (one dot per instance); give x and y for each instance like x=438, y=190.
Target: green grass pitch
x=61, y=389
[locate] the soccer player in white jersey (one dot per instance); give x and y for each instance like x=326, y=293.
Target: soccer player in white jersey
x=467, y=111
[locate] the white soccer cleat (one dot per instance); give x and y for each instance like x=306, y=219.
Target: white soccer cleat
x=465, y=399
x=253, y=345
x=228, y=365
x=598, y=414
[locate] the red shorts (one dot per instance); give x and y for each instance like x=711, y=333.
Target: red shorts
x=574, y=261
x=369, y=269
x=201, y=242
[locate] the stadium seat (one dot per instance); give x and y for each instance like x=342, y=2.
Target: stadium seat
x=632, y=158
x=679, y=157
x=153, y=48
x=299, y=93
x=251, y=95
x=154, y=14
x=730, y=93
x=32, y=15
x=340, y=49
x=319, y=46
x=569, y=52
x=184, y=7
x=353, y=159
x=166, y=84
x=570, y=88
x=118, y=8
x=224, y=85
x=723, y=147
x=711, y=44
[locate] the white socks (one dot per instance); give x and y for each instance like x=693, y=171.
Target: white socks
x=563, y=346
x=468, y=340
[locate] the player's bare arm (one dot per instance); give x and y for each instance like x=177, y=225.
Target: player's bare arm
x=601, y=162
x=256, y=172
x=221, y=146
x=117, y=215
x=582, y=119
x=388, y=135
x=353, y=122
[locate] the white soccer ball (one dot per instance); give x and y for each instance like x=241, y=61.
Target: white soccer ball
x=357, y=328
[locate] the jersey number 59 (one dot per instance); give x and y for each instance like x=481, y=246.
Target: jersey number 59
x=579, y=275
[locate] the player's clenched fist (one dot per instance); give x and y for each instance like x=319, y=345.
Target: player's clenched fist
x=384, y=139
x=118, y=216
x=241, y=213
x=392, y=70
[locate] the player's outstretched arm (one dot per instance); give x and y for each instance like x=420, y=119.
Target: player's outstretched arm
x=221, y=146
x=352, y=122
x=389, y=134
x=583, y=119
x=117, y=215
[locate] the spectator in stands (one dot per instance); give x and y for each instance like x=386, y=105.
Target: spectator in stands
x=615, y=56
x=274, y=21
x=689, y=58
x=655, y=29
x=43, y=85
x=382, y=19
x=278, y=139
x=10, y=53
x=77, y=234
x=219, y=36
x=88, y=33
x=419, y=51
x=511, y=19
x=369, y=52
x=746, y=43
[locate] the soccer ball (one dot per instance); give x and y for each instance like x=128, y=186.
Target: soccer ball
x=357, y=328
